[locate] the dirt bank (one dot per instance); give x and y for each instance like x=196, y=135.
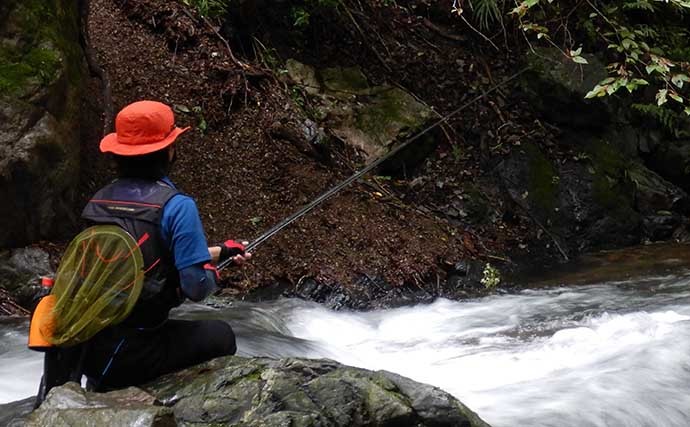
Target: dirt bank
x=243, y=179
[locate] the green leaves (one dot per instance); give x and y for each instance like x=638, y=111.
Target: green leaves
x=659, y=65
x=523, y=7
x=575, y=56
x=661, y=97
x=639, y=47
x=610, y=85
x=675, y=97
x=679, y=80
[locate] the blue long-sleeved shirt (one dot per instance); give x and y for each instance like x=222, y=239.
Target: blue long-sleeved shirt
x=183, y=233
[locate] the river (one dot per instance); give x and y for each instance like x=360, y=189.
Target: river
x=614, y=352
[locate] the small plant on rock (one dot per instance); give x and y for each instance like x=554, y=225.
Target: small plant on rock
x=491, y=277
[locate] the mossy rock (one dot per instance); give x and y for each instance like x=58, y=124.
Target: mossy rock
x=368, y=117
x=41, y=70
x=542, y=180
x=345, y=82
x=268, y=392
x=39, y=41
x=70, y=405
x=247, y=392
x=586, y=203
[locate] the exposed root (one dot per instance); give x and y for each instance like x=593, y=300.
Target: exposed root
x=94, y=67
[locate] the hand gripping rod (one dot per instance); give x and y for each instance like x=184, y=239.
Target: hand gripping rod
x=316, y=202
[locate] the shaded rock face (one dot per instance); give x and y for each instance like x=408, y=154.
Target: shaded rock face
x=20, y=273
x=235, y=391
x=40, y=68
x=599, y=200
x=672, y=160
x=369, y=118
x=556, y=86
x=614, y=189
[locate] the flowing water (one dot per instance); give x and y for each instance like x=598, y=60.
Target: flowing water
x=615, y=352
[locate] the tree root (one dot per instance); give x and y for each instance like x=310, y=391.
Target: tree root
x=94, y=67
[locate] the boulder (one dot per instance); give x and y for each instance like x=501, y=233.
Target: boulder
x=236, y=391
x=70, y=405
x=20, y=273
x=598, y=199
x=672, y=160
x=367, y=117
x=14, y=414
x=40, y=71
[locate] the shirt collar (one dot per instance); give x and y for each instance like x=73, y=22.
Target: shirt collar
x=167, y=180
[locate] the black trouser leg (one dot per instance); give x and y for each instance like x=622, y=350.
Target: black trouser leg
x=119, y=359
x=60, y=365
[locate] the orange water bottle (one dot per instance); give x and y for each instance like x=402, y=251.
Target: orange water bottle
x=43, y=318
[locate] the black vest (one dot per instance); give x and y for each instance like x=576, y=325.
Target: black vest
x=136, y=205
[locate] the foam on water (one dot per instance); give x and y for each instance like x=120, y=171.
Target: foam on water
x=20, y=369
x=562, y=357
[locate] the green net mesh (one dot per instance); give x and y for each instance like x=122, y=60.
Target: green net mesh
x=97, y=284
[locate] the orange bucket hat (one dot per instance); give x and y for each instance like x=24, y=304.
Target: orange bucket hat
x=142, y=128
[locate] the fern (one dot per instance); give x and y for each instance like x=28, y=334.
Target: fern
x=646, y=31
x=669, y=120
x=210, y=8
x=639, y=5
x=486, y=11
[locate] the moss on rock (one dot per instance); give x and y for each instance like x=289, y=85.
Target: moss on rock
x=609, y=187
x=345, y=81
x=40, y=44
x=542, y=180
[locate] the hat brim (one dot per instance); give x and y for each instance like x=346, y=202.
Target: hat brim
x=110, y=144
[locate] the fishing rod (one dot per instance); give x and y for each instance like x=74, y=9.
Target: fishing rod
x=316, y=202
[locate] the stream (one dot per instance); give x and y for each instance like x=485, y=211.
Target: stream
x=613, y=352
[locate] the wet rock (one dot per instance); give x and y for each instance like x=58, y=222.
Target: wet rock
x=464, y=276
x=236, y=391
x=333, y=295
x=662, y=226
x=268, y=392
x=20, y=273
x=14, y=414
x=654, y=194
x=70, y=405
x=41, y=63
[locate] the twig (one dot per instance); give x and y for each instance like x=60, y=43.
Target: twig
x=441, y=32
x=479, y=32
x=499, y=258
x=364, y=38
x=9, y=307
x=242, y=65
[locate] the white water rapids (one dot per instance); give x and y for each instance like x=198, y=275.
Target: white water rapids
x=610, y=354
